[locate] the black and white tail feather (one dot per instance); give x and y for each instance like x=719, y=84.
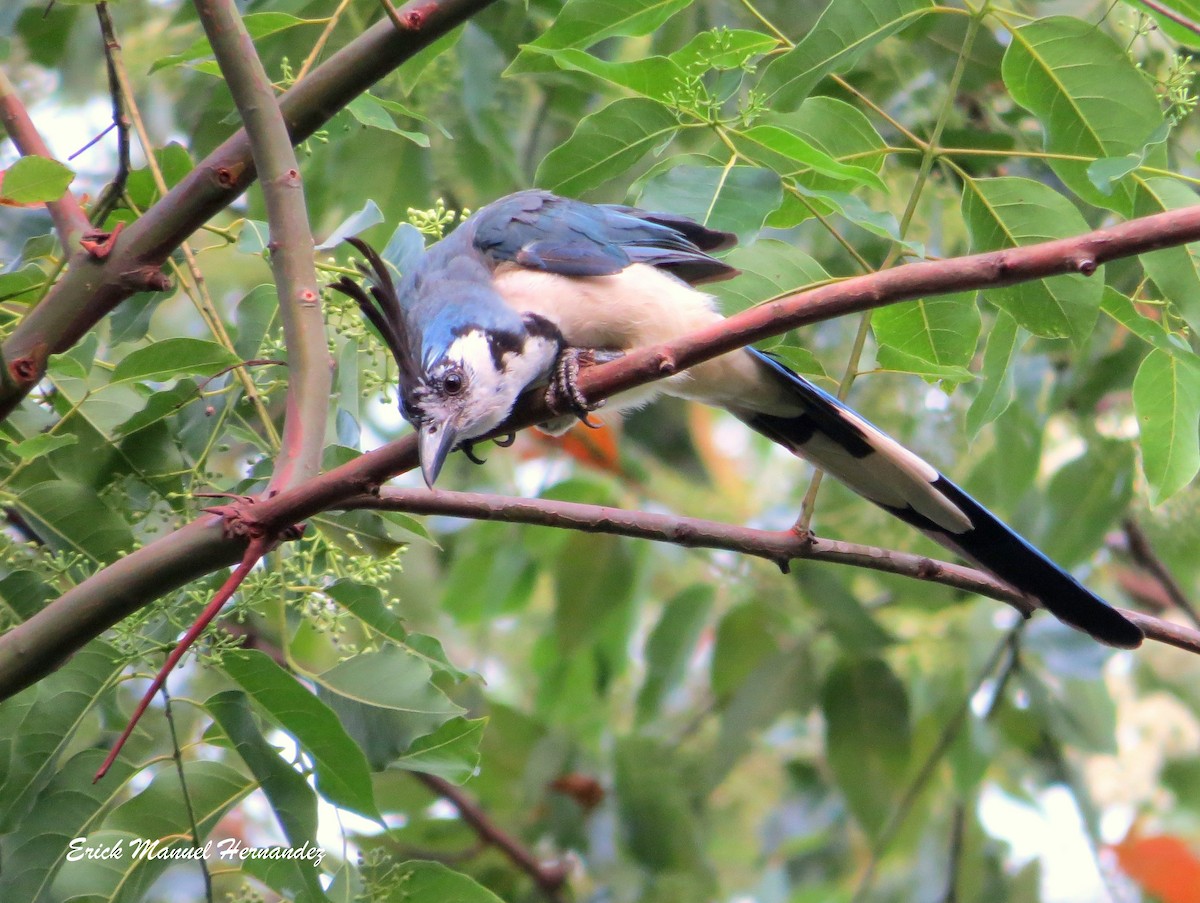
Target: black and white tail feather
x=843, y=444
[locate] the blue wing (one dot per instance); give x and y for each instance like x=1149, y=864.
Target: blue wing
x=542, y=231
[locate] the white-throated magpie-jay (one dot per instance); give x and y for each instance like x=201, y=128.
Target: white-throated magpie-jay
x=489, y=312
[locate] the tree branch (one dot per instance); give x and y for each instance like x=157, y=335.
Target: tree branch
x=115, y=189
x=291, y=242
x=70, y=222
x=1143, y=553
x=777, y=546
x=34, y=648
x=92, y=288
x=549, y=878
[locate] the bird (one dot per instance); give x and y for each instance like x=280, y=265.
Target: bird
x=528, y=285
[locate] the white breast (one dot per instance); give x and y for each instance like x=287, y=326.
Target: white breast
x=641, y=306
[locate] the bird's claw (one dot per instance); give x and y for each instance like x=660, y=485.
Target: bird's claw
x=563, y=395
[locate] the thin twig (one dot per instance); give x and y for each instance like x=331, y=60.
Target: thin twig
x=177, y=755
x=115, y=189
x=1143, y=553
x=321, y=41
x=549, y=878
x=1167, y=13
x=928, y=767
x=776, y=546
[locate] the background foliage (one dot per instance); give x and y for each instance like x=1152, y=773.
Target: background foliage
x=678, y=725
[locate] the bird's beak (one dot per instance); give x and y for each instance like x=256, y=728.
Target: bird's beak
x=435, y=442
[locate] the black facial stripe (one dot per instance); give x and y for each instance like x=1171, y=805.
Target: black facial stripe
x=501, y=343
x=542, y=328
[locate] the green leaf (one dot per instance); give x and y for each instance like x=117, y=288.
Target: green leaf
x=1175, y=271
x=800, y=156
x=594, y=581
x=1090, y=98
x=391, y=678
x=996, y=388
x=606, y=144
x=68, y=807
x=292, y=800
x=450, y=752
x=421, y=880
x=254, y=238
x=371, y=112
x=38, y=724
x=941, y=332
x=850, y=622
x=1105, y=172
x=582, y=23
x=1151, y=331
x=386, y=700
x=258, y=25
x=670, y=647
x=34, y=180
x=770, y=268
x=722, y=48
x=21, y=286
x=732, y=200
x=1090, y=493
x=69, y=517
x=343, y=777
x=174, y=162
x=1166, y=397
x=655, y=77
x=172, y=358
x=661, y=828
x=846, y=30
x=842, y=131
x=357, y=222
x=1009, y=212
x=782, y=681
x=41, y=444
x=867, y=737
x=157, y=815
x=746, y=636
x=853, y=208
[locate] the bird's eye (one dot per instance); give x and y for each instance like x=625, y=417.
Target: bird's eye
x=452, y=383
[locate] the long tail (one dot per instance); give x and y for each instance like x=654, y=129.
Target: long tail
x=841, y=443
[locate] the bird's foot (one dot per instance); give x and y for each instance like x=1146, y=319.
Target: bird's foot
x=563, y=394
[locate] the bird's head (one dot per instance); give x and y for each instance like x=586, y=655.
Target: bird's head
x=464, y=356
x=465, y=390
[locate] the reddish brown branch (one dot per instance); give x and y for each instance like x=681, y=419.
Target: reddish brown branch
x=1081, y=254
x=258, y=547
x=310, y=370
x=549, y=878
x=777, y=546
x=70, y=222
x=34, y=648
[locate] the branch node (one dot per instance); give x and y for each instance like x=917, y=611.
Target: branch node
x=928, y=569
x=665, y=363
x=227, y=176
x=1085, y=265
x=99, y=243
x=27, y=370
